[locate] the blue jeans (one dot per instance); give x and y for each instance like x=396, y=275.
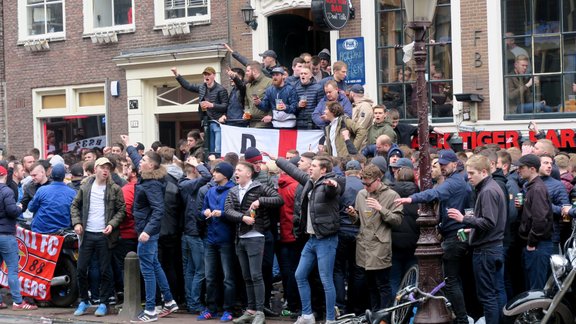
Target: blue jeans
x=219, y=257
x=193, y=264
x=9, y=254
x=531, y=107
x=488, y=266
x=322, y=251
x=401, y=262
x=250, y=253
x=215, y=137
x=152, y=272
x=288, y=257
x=537, y=264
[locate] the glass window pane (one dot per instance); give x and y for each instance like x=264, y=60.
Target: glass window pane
x=390, y=4
x=569, y=52
x=54, y=17
x=441, y=95
x=569, y=15
x=390, y=63
x=390, y=28
x=549, y=93
x=547, y=54
x=73, y=133
x=517, y=17
x=122, y=12
x=174, y=96
x=175, y=9
x=546, y=16
x=569, y=93
x=54, y=101
x=91, y=99
x=102, y=13
x=442, y=25
x=515, y=47
x=441, y=60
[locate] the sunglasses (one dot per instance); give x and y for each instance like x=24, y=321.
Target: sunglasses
x=366, y=184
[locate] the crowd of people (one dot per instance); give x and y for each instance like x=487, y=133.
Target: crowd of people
x=210, y=234
x=213, y=234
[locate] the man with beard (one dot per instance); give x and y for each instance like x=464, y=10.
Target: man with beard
x=281, y=99
x=256, y=85
x=332, y=95
x=310, y=93
x=454, y=192
x=213, y=99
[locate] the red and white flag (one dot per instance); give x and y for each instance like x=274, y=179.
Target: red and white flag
x=273, y=141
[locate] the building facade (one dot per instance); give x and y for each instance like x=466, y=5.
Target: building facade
x=80, y=73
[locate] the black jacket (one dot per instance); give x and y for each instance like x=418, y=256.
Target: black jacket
x=405, y=236
x=536, y=223
x=173, y=220
x=9, y=211
x=325, y=200
x=194, y=221
x=216, y=95
x=487, y=223
x=235, y=209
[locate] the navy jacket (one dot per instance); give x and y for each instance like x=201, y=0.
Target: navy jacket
x=236, y=104
x=558, y=197
x=314, y=93
x=405, y=236
x=454, y=192
x=319, y=111
x=9, y=211
x=353, y=186
x=193, y=219
x=220, y=230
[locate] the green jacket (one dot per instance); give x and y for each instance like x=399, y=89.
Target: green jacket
x=384, y=128
x=115, y=208
x=257, y=87
x=357, y=135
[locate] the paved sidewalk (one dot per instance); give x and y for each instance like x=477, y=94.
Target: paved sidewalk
x=52, y=315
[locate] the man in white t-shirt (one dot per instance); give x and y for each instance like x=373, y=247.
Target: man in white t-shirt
x=96, y=213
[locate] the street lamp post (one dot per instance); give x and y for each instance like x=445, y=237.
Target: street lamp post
x=419, y=15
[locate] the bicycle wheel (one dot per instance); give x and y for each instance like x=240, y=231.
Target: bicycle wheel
x=403, y=314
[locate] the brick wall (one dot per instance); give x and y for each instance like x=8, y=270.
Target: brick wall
x=77, y=61
x=2, y=79
x=352, y=28
x=475, y=52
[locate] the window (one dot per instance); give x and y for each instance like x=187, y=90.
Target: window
x=180, y=11
x=539, y=56
x=70, y=118
x=396, y=80
x=41, y=18
x=108, y=15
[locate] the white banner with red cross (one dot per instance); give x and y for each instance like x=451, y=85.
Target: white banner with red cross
x=38, y=256
x=275, y=142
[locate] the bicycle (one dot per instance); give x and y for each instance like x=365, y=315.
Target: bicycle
x=407, y=301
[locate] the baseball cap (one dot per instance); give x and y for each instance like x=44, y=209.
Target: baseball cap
x=269, y=53
x=402, y=162
x=529, y=160
x=447, y=156
x=58, y=172
x=102, y=161
x=353, y=165
x=209, y=70
x=357, y=88
x=277, y=70
x=3, y=171
x=380, y=162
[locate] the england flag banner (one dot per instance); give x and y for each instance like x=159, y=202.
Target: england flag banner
x=275, y=142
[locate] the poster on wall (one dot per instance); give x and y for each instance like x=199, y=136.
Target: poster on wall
x=351, y=52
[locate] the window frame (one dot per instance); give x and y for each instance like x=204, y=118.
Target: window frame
x=160, y=21
x=89, y=29
x=534, y=35
x=404, y=38
x=23, y=35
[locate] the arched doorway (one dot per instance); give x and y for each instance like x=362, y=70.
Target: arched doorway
x=292, y=32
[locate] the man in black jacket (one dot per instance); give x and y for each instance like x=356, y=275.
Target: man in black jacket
x=247, y=205
x=213, y=99
x=486, y=228
x=320, y=219
x=536, y=222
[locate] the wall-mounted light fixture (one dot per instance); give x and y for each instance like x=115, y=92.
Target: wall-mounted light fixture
x=248, y=13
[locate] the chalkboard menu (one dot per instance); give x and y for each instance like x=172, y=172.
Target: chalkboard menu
x=351, y=52
x=330, y=14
